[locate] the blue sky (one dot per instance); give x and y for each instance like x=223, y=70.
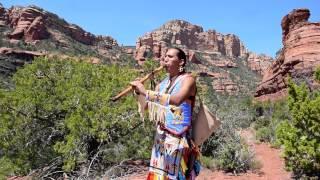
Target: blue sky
x=257, y=23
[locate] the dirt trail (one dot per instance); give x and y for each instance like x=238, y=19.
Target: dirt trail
x=272, y=165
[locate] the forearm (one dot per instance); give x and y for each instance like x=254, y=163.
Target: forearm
x=155, y=96
x=162, y=98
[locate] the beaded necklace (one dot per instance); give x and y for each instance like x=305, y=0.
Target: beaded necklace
x=170, y=82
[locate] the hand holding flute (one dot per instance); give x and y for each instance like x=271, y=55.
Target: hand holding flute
x=137, y=85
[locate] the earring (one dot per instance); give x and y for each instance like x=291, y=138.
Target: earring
x=181, y=69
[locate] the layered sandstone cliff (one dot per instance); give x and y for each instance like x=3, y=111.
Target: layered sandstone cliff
x=188, y=36
x=33, y=23
x=259, y=63
x=216, y=54
x=299, y=57
x=192, y=38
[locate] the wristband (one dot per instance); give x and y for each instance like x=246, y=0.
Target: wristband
x=158, y=97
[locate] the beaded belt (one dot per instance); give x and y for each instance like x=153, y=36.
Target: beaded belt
x=163, y=128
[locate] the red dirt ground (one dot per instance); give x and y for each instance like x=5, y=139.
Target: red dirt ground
x=272, y=165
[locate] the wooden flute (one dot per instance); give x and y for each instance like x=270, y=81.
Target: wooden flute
x=130, y=88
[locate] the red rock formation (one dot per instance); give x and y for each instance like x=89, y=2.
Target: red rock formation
x=129, y=51
x=141, y=54
x=192, y=57
x=27, y=24
x=28, y=55
x=36, y=30
x=259, y=63
x=191, y=38
x=188, y=36
x=33, y=23
x=232, y=45
x=80, y=35
x=225, y=63
x=106, y=42
x=298, y=59
x=225, y=86
x=222, y=82
x=156, y=51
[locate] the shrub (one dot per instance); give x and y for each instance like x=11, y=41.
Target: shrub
x=267, y=118
x=300, y=135
x=228, y=150
x=225, y=147
x=233, y=158
x=264, y=134
x=60, y=111
x=208, y=162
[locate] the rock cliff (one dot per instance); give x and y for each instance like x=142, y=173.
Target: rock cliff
x=298, y=59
